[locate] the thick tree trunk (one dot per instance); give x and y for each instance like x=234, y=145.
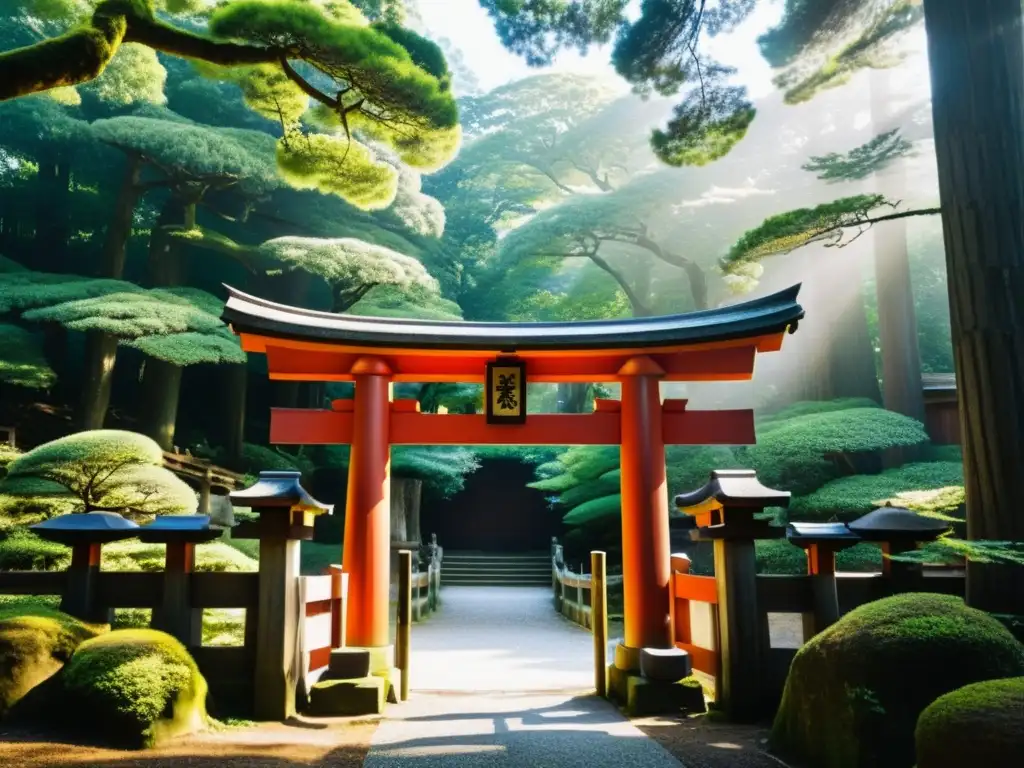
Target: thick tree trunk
x=976, y=53
x=902, y=390
x=119, y=230
x=100, y=356
x=161, y=386
x=236, y=383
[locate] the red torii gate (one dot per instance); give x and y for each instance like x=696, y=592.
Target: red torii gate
x=711, y=345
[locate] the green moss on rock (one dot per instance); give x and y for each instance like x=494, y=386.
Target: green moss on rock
x=35, y=642
x=990, y=712
x=137, y=687
x=854, y=692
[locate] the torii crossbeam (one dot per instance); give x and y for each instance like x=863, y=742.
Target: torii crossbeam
x=711, y=345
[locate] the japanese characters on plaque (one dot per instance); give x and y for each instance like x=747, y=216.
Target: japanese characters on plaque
x=506, y=391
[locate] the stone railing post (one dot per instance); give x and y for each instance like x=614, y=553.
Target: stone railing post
x=821, y=541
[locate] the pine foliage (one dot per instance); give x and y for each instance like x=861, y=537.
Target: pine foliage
x=22, y=362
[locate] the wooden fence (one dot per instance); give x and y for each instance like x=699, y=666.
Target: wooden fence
x=303, y=635
x=789, y=611
x=572, y=590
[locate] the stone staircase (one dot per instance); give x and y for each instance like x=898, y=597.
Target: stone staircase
x=493, y=569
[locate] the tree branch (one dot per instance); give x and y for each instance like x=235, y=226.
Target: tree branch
x=305, y=86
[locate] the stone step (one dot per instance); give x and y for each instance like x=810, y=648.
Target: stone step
x=357, y=696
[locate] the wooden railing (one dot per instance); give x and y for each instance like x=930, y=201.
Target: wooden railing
x=693, y=616
x=572, y=590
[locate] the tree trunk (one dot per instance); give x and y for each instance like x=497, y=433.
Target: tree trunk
x=166, y=264
x=976, y=53
x=161, y=385
x=406, y=493
x=572, y=398
x=236, y=383
x=100, y=356
x=902, y=390
x=851, y=356
x=53, y=213
x=115, y=244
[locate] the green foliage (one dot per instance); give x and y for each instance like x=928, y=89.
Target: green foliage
x=212, y=557
x=785, y=232
x=441, y=466
x=183, y=349
x=137, y=687
x=854, y=691
x=22, y=362
x=134, y=75
x=594, y=511
x=848, y=498
x=952, y=551
x=861, y=162
x=808, y=407
x=803, y=453
x=337, y=166
x=416, y=302
x=107, y=470
x=977, y=724
x=28, y=290
x=22, y=550
x=351, y=267
x=35, y=642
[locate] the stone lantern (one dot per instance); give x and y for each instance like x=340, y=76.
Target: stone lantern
x=821, y=542
x=898, y=530
x=85, y=533
x=286, y=514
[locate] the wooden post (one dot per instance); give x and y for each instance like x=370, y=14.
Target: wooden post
x=175, y=614
x=277, y=653
x=79, y=598
x=679, y=620
x=205, y=489
x=599, y=619
x=645, y=534
x=367, y=549
x=821, y=568
x=339, y=590
x=739, y=627
x=404, y=634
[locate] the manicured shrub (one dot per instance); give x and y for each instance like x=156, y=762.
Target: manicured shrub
x=36, y=640
x=980, y=724
x=854, y=691
x=22, y=550
x=135, y=687
x=848, y=498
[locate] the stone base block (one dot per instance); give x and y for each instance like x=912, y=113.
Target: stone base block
x=392, y=684
x=665, y=664
x=349, y=663
x=382, y=658
x=360, y=696
x=656, y=697
x=627, y=658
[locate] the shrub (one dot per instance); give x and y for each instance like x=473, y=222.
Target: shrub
x=215, y=556
x=855, y=690
x=22, y=550
x=991, y=713
x=36, y=640
x=137, y=687
x=802, y=453
x=848, y=498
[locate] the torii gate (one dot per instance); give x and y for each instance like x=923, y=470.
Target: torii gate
x=710, y=345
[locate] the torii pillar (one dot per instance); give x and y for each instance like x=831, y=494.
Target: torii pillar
x=367, y=547
x=645, y=532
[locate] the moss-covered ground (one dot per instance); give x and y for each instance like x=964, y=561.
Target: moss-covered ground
x=854, y=691
x=138, y=687
x=980, y=724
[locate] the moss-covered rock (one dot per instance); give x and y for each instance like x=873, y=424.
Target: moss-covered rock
x=136, y=687
x=991, y=713
x=35, y=643
x=854, y=691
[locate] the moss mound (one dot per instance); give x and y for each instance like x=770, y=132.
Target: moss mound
x=137, y=687
x=36, y=641
x=979, y=724
x=854, y=692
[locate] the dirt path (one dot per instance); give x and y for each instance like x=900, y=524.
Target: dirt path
x=336, y=743
x=699, y=742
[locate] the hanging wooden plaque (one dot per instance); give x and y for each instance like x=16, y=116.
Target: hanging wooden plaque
x=506, y=391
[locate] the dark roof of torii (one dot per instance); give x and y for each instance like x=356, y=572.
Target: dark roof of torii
x=758, y=317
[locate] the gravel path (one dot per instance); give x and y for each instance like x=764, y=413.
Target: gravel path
x=499, y=679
